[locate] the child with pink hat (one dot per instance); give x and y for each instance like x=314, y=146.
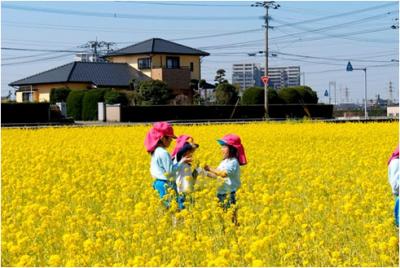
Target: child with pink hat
x=157, y=140
x=185, y=176
x=394, y=180
x=229, y=169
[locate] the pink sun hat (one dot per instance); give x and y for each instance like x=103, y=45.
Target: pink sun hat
x=180, y=142
x=395, y=154
x=159, y=130
x=234, y=141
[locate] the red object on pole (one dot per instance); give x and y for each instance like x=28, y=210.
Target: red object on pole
x=265, y=79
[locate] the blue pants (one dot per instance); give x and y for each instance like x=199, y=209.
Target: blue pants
x=162, y=187
x=396, y=211
x=231, y=200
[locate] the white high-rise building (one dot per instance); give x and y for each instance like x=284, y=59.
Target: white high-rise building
x=246, y=75
x=280, y=77
x=249, y=75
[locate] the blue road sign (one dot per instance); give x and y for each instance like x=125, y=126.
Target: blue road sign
x=326, y=94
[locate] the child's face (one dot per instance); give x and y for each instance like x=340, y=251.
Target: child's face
x=225, y=151
x=166, y=141
x=189, y=153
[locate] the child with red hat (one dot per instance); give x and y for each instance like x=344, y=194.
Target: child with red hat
x=157, y=140
x=394, y=180
x=185, y=176
x=229, y=169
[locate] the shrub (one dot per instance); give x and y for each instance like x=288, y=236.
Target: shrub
x=74, y=104
x=113, y=97
x=89, y=103
x=153, y=92
x=307, y=94
x=289, y=95
x=59, y=94
x=255, y=95
x=226, y=93
x=298, y=94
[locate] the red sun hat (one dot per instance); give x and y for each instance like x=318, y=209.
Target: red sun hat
x=180, y=142
x=234, y=141
x=395, y=154
x=159, y=130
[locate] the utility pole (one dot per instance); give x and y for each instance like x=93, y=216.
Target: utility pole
x=332, y=84
x=95, y=46
x=390, y=100
x=267, y=5
x=346, y=93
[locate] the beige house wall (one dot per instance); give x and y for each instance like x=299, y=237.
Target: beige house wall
x=42, y=92
x=160, y=60
x=132, y=60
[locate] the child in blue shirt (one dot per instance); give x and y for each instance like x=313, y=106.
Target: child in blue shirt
x=229, y=169
x=157, y=140
x=394, y=180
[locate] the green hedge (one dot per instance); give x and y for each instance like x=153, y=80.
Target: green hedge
x=59, y=94
x=89, y=103
x=255, y=95
x=113, y=97
x=74, y=104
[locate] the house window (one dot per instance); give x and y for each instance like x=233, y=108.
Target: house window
x=26, y=96
x=144, y=63
x=173, y=63
x=191, y=67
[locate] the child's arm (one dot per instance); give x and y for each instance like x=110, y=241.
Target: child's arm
x=221, y=173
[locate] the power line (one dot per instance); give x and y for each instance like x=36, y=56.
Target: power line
x=41, y=50
x=185, y=4
x=37, y=60
x=339, y=15
x=120, y=15
x=334, y=27
x=218, y=35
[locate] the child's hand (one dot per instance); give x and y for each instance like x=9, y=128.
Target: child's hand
x=187, y=159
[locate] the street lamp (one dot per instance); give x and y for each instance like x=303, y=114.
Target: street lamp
x=350, y=68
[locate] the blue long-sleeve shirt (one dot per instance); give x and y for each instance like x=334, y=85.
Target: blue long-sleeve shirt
x=161, y=165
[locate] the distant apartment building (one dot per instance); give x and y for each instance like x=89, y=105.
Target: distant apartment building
x=280, y=77
x=249, y=75
x=246, y=75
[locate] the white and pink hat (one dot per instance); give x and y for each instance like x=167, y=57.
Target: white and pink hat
x=180, y=143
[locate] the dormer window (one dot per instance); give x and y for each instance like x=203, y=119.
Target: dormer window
x=144, y=63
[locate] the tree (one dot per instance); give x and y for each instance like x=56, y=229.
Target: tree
x=153, y=92
x=255, y=95
x=289, y=95
x=220, y=76
x=299, y=94
x=226, y=93
x=202, y=83
x=114, y=97
x=308, y=96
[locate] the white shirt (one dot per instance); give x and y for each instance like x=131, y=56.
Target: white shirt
x=232, y=181
x=394, y=175
x=184, y=178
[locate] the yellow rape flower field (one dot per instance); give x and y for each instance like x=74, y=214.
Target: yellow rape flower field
x=313, y=194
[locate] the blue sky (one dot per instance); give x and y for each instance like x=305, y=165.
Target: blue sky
x=320, y=37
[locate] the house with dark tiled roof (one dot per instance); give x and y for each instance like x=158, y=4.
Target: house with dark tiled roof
x=156, y=59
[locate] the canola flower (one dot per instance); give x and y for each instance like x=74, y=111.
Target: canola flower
x=313, y=194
